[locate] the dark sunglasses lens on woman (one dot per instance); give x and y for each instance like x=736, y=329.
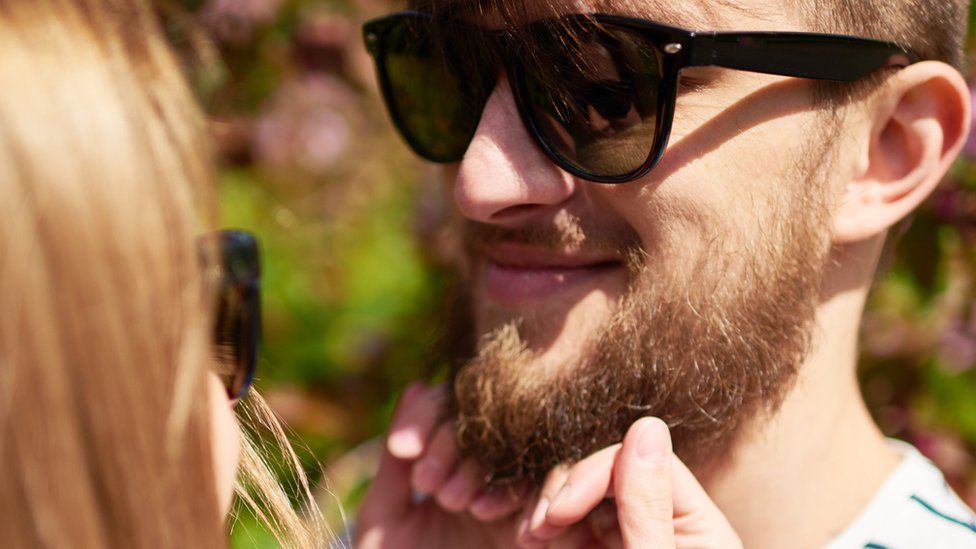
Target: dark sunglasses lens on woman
x=596, y=92
x=237, y=331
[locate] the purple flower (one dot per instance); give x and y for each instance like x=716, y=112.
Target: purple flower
x=957, y=346
x=233, y=21
x=947, y=451
x=955, y=205
x=322, y=41
x=308, y=127
x=945, y=202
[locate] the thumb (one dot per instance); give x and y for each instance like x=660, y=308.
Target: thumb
x=643, y=486
x=654, y=488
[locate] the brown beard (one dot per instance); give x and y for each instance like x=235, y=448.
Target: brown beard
x=707, y=352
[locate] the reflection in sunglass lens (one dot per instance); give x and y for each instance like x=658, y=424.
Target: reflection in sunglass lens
x=436, y=88
x=596, y=107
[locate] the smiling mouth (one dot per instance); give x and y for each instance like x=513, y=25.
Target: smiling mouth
x=516, y=274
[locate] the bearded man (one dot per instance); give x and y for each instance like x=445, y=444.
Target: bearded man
x=685, y=224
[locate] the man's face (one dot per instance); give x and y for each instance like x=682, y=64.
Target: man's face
x=688, y=294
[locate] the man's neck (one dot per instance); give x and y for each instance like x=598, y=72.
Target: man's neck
x=808, y=471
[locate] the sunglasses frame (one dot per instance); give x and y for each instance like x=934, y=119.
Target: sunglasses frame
x=240, y=283
x=830, y=57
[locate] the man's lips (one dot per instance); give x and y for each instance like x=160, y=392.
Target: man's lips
x=518, y=274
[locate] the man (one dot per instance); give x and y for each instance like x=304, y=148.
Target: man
x=715, y=279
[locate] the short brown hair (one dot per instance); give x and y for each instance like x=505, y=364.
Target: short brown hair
x=934, y=29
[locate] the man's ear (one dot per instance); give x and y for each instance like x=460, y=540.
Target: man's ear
x=920, y=123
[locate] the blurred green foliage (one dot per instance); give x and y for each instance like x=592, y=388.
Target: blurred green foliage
x=347, y=219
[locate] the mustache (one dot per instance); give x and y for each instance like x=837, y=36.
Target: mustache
x=563, y=233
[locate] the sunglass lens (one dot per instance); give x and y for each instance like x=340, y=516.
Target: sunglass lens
x=238, y=322
x=435, y=85
x=595, y=106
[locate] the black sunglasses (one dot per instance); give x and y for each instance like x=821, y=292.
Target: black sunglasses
x=600, y=105
x=237, y=327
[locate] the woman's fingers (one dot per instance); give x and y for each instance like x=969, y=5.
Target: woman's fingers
x=497, y=503
x=460, y=490
x=643, y=486
x=420, y=455
x=420, y=412
x=437, y=463
x=534, y=529
x=653, y=490
x=390, y=495
x=588, y=484
x=419, y=434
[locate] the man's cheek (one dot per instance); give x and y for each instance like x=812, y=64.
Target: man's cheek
x=676, y=222
x=724, y=200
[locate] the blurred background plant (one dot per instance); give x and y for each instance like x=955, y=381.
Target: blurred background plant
x=354, y=284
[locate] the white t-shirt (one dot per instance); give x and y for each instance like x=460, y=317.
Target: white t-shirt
x=913, y=509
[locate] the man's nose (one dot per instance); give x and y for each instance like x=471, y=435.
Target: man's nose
x=504, y=177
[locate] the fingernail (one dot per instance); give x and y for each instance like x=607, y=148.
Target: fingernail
x=561, y=496
x=539, y=515
x=405, y=444
x=653, y=445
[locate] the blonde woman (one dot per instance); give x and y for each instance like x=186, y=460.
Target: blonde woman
x=115, y=430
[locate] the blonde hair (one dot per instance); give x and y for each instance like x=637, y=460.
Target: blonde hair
x=106, y=183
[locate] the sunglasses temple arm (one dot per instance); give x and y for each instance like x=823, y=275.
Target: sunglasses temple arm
x=801, y=55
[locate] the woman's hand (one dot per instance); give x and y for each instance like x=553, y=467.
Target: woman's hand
x=659, y=503
x=422, y=435
x=423, y=494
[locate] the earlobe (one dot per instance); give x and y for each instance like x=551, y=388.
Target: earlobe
x=919, y=125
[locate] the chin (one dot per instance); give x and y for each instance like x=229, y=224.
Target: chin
x=555, y=329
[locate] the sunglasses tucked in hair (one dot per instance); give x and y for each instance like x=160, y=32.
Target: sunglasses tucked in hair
x=237, y=328
x=600, y=104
